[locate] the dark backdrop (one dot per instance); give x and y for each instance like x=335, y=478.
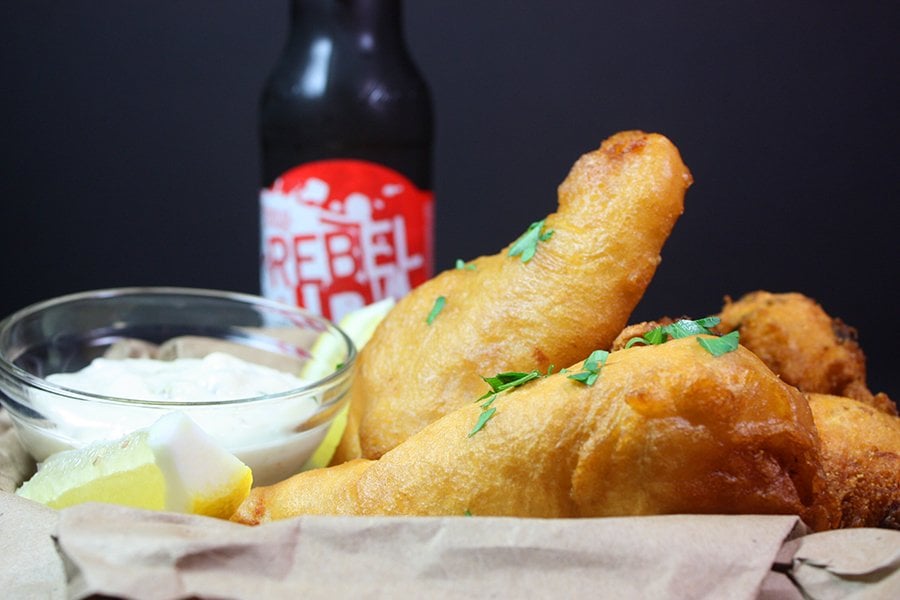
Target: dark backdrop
x=129, y=151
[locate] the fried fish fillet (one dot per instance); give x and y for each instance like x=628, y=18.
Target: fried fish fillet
x=502, y=313
x=664, y=429
x=861, y=457
x=808, y=348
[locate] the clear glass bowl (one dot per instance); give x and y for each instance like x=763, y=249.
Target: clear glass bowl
x=274, y=434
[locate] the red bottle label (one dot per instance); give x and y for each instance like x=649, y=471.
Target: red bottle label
x=340, y=234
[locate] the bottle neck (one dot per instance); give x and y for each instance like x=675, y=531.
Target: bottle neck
x=372, y=20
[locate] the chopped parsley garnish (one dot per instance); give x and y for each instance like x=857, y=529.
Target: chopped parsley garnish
x=439, y=303
x=721, y=345
x=467, y=512
x=464, y=266
x=679, y=329
x=499, y=383
x=592, y=366
x=685, y=328
x=505, y=381
x=483, y=418
x=527, y=243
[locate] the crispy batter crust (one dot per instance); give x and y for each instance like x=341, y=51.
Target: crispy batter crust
x=861, y=455
x=808, y=348
x=665, y=429
x=617, y=206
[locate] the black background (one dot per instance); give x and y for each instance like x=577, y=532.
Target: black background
x=129, y=152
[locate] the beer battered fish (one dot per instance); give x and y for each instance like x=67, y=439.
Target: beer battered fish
x=663, y=429
x=861, y=456
x=566, y=287
x=808, y=348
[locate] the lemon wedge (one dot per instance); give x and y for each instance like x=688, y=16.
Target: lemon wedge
x=359, y=325
x=173, y=465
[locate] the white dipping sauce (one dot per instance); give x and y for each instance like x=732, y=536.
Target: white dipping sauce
x=266, y=437
x=216, y=376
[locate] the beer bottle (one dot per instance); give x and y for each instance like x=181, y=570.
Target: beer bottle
x=346, y=133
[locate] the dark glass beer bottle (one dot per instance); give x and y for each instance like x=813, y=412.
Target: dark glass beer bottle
x=346, y=133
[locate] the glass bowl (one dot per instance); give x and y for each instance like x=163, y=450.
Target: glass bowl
x=275, y=434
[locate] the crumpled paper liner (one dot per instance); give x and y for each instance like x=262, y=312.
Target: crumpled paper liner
x=31, y=567
x=16, y=465
x=112, y=551
x=846, y=563
x=117, y=551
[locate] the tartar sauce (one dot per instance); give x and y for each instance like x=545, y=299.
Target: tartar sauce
x=217, y=376
x=270, y=437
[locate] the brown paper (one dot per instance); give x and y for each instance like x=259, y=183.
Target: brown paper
x=16, y=465
x=30, y=567
x=859, y=563
x=169, y=556
x=115, y=551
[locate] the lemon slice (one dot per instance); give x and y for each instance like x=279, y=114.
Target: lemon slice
x=359, y=326
x=172, y=465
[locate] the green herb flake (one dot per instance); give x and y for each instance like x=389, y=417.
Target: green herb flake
x=505, y=381
x=686, y=328
x=462, y=265
x=488, y=400
x=709, y=322
x=467, y=513
x=483, y=418
x=592, y=366
x=654, y=337
x=499, y=383
x=718, y=346
x=439, y=304
x=527, y=243
x=679, y=329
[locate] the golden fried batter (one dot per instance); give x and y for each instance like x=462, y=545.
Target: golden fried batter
x=803, y=344
x=861, y=456
x=616, y=208
x=664, y=429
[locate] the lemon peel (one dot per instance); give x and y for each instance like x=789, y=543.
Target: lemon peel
x=359, y=325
